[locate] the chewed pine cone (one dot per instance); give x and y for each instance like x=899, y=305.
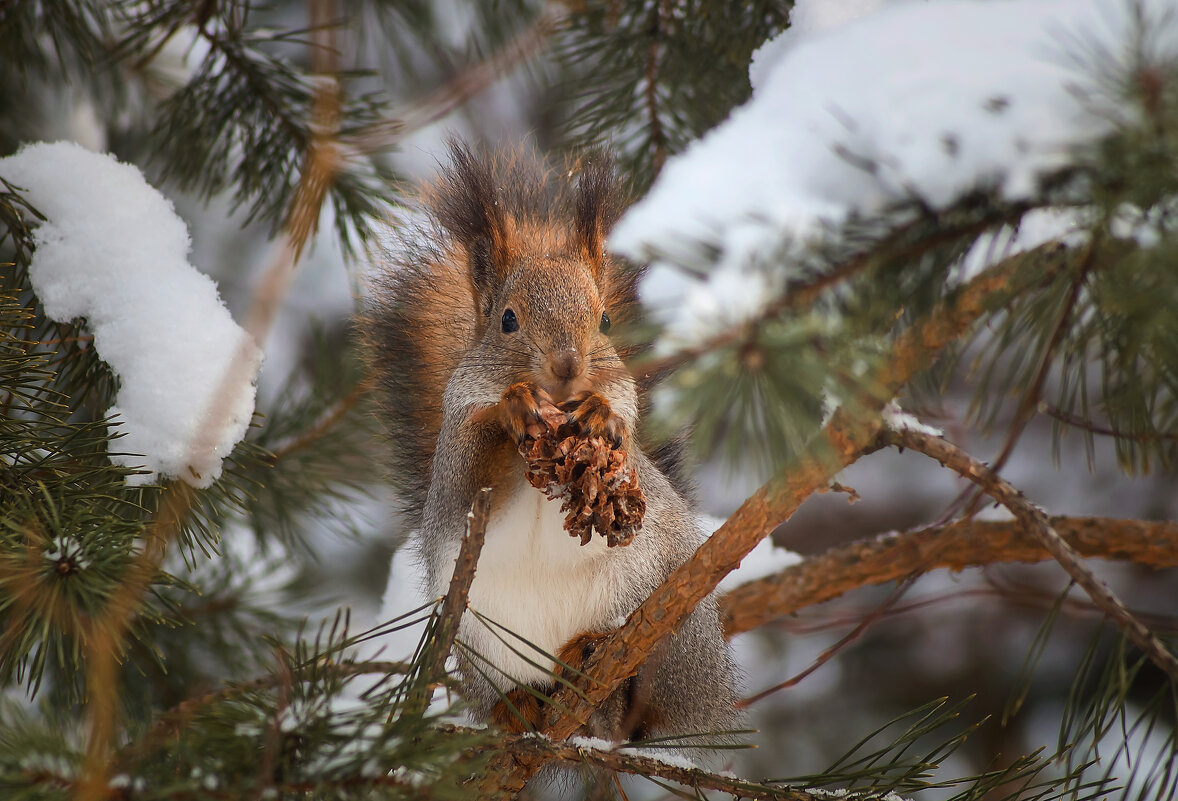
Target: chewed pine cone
x=598, y=489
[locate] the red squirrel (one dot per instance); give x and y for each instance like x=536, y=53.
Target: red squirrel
x=502, y=302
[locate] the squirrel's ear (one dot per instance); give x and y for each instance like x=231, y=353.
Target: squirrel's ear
x=597, y=208
x=467, y=204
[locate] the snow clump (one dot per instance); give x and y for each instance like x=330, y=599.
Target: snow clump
x=113, y=251
x=865, y=105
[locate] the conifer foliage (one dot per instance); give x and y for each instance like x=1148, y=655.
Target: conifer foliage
x=153, y=638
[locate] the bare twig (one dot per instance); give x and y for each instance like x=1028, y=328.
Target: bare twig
x=1079, y=422
x=843, y=642
x=965, y=543
x=324, y=424
x=1022, y=595
x=383, y=134
x=453, y=604
x=657, y=137
x=1039, y=525
x=1030, y=400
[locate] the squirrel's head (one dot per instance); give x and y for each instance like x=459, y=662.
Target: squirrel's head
x=545, y=290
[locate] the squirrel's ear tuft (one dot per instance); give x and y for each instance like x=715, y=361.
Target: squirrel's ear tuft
x=596, y=207
x=467, y=204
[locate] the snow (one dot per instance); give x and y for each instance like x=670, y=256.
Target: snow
x=765, y=559
x=862, y=106
x=657, y=754
x=592, y=743
x=114, y=252
x=1037, y=227
x=675, y=760
x=897, y=419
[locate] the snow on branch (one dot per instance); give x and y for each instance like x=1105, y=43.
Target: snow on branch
x=113, y=252
x=851, y=116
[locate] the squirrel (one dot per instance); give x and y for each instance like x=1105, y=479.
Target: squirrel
x=500, y=302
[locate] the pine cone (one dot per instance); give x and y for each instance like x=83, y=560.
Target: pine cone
x=598, y=490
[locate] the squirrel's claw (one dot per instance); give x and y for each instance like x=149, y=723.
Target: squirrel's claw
x=592, y=413
x=521, y=410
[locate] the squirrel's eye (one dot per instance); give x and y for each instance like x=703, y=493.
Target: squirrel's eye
x=604, y=323
x=510, y=324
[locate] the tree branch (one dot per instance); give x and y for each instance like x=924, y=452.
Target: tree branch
x=657, y=137
x=383, y=134
x=1038, y=524
x=623, y=761
x=965, y=543
x=433, y=666
x=804, y=294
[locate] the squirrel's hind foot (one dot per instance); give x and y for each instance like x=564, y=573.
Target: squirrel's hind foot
x=519, y=712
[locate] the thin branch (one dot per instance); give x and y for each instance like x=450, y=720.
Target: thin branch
x=843, y=642
x=1079, y=422
x=385, y=133
x=1039, y=525
x=1030, y=400
x=1021, y=595
x=453, y=604
x=843, y=440
x=657, y=137
x=324, y=424
x=965, y=543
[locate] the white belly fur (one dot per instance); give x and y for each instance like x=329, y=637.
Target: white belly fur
x=538, y=582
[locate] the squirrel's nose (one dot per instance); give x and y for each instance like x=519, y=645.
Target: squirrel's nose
x=567, y=364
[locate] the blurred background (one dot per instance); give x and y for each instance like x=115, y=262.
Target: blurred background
x=559, y=79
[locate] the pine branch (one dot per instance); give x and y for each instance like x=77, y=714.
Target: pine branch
x=848, y=436
x=543, y=749
x=1032, y=394
x=904, y=244
x=1039, y=525
x=324, y=425
x=445, y=626
x=105, y=633
x=962, y=544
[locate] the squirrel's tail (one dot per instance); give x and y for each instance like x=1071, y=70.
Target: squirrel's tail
x=419, y=322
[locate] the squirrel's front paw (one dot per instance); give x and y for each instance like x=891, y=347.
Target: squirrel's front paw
x=592, y=413
x=522, y=408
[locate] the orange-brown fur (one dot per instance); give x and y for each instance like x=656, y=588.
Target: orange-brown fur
x=417, y=330
x=460, y=382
